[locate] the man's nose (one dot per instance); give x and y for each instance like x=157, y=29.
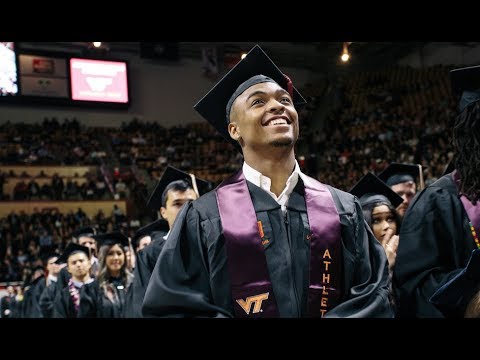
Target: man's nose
x=276, y=106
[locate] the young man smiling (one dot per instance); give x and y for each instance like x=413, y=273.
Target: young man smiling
x=269, y=241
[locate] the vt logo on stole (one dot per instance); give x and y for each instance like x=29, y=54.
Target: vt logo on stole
x=255, y=299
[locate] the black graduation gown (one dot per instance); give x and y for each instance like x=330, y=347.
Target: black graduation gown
x=31, y=300
x=191, y=276
x=7, y=303
x=95, y=304
x=46, y=300
x=63, y=277
x=435, y=245
x=63, y=306
x=128, y=310
x=17, y=309
x=49, y=293
x=146, y=260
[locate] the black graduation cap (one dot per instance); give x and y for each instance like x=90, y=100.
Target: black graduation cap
x=173, y=174
x=49, y=256
x=71, y=248
x=38, y=267
x=457, y=292
x=449, y=168
x=397, y=173
x=111, y=238
x=213, y=106
x=84, y=231
x=158, y=225
x=370, y=189
x=466, y=85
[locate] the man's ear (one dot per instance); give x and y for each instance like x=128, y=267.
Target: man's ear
x=234, y=131
x=162, y=212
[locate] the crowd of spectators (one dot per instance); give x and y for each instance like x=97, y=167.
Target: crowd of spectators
x=51, y=143
x=393, y=115
x=27, y=239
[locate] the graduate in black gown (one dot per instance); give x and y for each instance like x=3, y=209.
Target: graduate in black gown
x=50, y=292
x=16, y=305
x=379, y=204
x=441, y=227
x=84, y=236
x=31, y=300
x=105, y=297
x=56, y=281
x=402, y=178
x=174, y=188
x=67, y=294
x=150, y=236
x=7, y=303
x=269, y=241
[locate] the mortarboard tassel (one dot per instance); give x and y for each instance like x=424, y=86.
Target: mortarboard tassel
x=289, y=85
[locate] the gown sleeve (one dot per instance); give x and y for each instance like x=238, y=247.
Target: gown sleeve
x=453, y=298
x=366, y=279
x=146, y=260
x=46, y=300
x=89, y=295
x=429, y=252
x=179, y=285
x=61, y=304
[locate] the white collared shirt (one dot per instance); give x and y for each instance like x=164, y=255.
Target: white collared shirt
x=51, y=279
x=265, y=183
x=79, y=284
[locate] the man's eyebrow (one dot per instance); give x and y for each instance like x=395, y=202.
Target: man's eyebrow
x=260, y=92
x=255, y=93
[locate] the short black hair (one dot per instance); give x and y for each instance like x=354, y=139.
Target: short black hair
x=177, y=185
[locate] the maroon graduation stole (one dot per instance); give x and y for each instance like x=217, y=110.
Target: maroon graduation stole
x=252, y=290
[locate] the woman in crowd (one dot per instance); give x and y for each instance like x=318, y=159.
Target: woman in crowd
x=379, y=204
x=105, y=297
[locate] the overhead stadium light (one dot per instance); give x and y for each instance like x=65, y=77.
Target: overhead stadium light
x=345, y=54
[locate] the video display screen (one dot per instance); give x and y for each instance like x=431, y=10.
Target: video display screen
x=8, y=69
x=99, y=80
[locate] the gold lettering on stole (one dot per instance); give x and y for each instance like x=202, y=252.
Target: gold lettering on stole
x=326, y=281
x=256, y=300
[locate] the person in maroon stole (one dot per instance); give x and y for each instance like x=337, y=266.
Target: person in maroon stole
x=67, y=296
x=437, y=271
x=269, y=241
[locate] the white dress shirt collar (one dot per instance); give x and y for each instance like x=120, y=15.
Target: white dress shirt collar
x=265, y=182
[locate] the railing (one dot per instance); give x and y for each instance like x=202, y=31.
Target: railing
x=107, y=176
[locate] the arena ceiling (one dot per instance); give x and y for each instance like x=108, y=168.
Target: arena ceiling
x=317, y=56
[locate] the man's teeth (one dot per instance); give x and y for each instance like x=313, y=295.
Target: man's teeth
x=278, y=122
